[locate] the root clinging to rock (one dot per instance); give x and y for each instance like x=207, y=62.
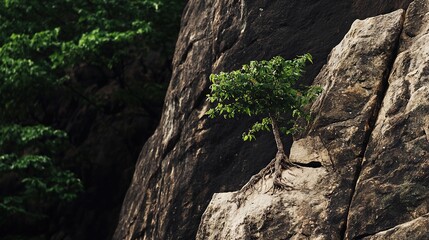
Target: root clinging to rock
x=276, y=166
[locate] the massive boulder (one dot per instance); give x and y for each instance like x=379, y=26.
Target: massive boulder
x=393, y=186
x=190, y=157
x=329, y=155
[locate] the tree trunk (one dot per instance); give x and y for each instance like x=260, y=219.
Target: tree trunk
x=276, y=132
x=275, y=166
x=281, y=158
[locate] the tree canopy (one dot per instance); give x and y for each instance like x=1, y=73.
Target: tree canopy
x=262, y=88
x=268, y=90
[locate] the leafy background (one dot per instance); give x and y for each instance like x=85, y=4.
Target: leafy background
x=81, y=88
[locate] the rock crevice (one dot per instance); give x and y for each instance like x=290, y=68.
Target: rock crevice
x=392, y=187
x=353, y=81
x=369, y=137
x=372, y=121
x=191, y=157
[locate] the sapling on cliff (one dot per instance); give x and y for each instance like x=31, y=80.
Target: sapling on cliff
x=265, y=89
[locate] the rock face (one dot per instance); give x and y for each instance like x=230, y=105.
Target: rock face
x=190, y=157
x=415, y=229
x=317, y=208
x=393, y=186
x=373, y=179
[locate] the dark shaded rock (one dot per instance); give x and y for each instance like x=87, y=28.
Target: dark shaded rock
x=393, y=187
x=317, y=207
x=190, y=157
x=416, y=229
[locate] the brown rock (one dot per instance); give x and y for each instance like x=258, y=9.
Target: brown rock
x=189, y=157
x=317, y=208
x=393, y=187
x=416, y=229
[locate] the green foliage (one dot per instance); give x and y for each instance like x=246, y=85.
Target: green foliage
x=40, y=44
x=26, y=160
x=266, y=89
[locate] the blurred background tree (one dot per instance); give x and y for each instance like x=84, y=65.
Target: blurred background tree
x=53, y=54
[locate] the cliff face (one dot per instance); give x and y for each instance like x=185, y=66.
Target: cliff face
x=393, y=186
x=191, y=157
x=368, y=147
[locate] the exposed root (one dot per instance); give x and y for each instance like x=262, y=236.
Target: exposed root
x=280, y=161
x=276, y=166
x=261, y=175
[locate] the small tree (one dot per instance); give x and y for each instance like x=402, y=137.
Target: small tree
x=265, y=89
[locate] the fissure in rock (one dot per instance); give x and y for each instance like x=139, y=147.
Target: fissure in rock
x=371, y=124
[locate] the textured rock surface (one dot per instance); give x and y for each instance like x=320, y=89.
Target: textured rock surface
x=317, y=208
x=393, y=187
x=416, y=229
x=189, y=158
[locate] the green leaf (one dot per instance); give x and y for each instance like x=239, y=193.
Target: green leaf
x=261, y=88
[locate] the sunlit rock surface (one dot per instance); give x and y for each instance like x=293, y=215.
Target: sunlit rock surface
x=191, y=157
x=329, y=154
x=393, y=186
